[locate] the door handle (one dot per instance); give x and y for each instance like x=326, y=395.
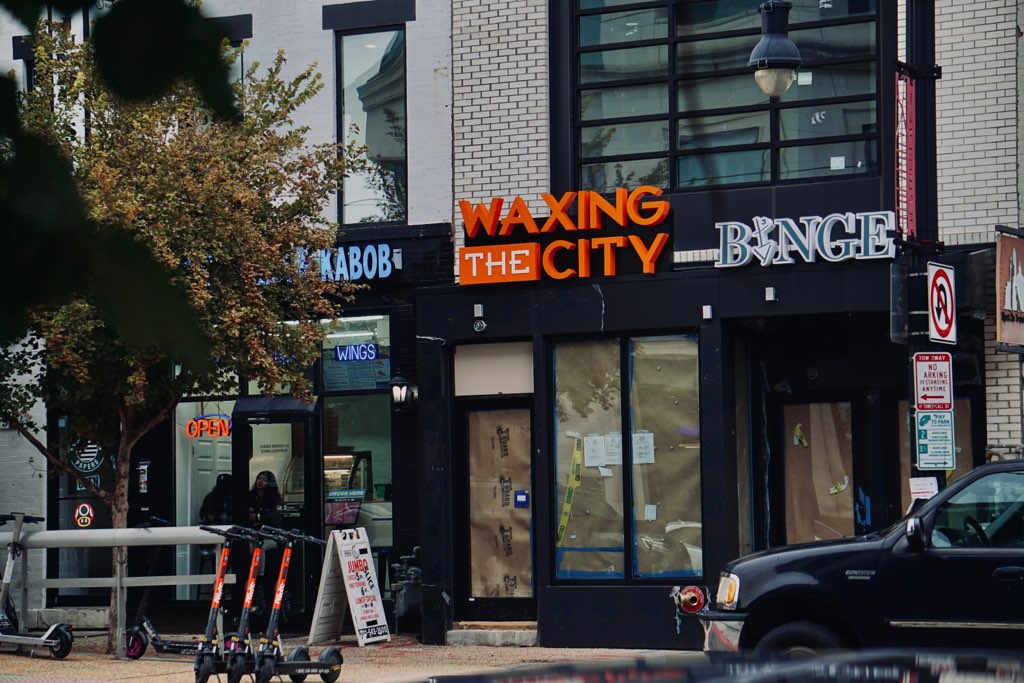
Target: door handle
x=1008, y=574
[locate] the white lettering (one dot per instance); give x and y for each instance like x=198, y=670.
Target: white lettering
x=733, y=239
x=780, y=241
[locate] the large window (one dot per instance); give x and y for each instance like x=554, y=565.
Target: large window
x=372, y=73
x=664, y=98
x=628, y=499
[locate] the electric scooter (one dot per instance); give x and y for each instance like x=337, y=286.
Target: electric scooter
x=138, y=638
x=238, y=644
x=58, y=637
x=268, y=659
x=209, y=659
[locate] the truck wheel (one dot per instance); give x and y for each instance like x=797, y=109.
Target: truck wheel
x=798, y=639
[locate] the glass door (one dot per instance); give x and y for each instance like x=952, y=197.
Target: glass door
x=498, y=520
x=273, y=461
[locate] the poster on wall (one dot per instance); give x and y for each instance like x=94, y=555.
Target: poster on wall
x=1010, y=289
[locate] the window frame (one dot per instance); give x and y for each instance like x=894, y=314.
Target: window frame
x=631, y=575
x=341, y=129
x=569, y=152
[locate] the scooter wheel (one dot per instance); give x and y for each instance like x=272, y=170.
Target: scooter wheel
x=206, y=668
x=332, y=658
x=63, y=647
x=135, y=643
x=267, y=670
x=236, y=667
x=299, y=654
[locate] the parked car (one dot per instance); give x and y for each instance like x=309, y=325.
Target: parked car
x=950, y=573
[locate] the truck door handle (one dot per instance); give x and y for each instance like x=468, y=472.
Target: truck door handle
x=1009, y=574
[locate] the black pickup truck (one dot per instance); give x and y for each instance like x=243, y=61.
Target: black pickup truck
x=951, y=573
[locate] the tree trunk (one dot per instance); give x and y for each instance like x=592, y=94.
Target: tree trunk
x=118, y=520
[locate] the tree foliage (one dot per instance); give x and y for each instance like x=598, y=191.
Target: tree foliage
x=230, y=211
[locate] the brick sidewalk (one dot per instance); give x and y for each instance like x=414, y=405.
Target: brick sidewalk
x=402, y=660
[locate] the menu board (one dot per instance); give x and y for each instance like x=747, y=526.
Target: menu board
x=349, y=569
x=348, y=375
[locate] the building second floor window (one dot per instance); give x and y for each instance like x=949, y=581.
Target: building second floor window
x=372, y=107
x=664, y=98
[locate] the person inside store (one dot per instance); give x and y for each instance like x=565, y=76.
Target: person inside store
x=216, y=507
x=265, y=509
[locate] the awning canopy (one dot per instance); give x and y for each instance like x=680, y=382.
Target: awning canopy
x=271, y=407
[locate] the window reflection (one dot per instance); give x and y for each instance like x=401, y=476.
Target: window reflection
x=608, y=176
x=624, y=138
x=617, y=27
x=847, y=118
x=821, y=161
x=612, y=65
x=636, y=100
x=724, y=168
x=373, y=114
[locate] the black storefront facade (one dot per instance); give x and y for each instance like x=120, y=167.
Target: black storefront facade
x=347, y=459
x=801, y=407
x=590, y=440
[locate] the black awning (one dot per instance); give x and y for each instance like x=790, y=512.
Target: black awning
x=271, y=406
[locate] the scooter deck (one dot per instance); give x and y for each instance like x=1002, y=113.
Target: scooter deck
x=27, y=640
x=309, y=668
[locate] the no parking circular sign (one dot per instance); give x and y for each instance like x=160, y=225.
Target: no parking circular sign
x=941, y=304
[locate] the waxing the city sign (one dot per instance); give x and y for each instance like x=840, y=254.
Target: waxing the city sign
x=581, y=215
x=832, y=238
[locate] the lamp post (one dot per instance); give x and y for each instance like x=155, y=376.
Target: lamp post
x=775, y=58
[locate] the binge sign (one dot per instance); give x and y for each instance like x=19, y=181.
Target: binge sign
x=833, y=238
x=585, y=252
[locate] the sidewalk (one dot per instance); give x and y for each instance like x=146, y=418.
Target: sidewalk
x=402, y=660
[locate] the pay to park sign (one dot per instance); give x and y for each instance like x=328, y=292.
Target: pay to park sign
x=933, y=399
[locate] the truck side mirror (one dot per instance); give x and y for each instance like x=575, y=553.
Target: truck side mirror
x=915, y=533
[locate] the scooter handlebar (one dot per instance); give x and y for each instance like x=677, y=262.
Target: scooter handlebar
x=235, y=532
x=293, y=534
x=25, y=518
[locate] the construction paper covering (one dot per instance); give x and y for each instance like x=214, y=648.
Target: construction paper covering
x=499, y=465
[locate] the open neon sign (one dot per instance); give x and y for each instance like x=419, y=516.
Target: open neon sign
x=214, y=424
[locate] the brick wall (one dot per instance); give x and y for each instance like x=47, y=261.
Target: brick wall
x=977, y=155
x=501, y=114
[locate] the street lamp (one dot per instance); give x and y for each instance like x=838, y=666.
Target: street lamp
x=775, y=58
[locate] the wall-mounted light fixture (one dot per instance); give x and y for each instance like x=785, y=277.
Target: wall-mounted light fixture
x=771, y=294
x=775, y=58
x=403, y=394
x=479, y=324
x=706, y=312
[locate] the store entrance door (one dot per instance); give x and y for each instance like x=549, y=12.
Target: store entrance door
x=275, y=452
x=494, y=579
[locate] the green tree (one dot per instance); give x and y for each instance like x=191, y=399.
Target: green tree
x=231, y=212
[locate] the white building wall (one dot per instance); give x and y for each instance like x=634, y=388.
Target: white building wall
x=297, y=28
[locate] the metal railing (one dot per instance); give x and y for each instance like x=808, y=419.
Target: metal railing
x=118, y=540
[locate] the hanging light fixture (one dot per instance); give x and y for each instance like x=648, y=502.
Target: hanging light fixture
x=775, y=58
